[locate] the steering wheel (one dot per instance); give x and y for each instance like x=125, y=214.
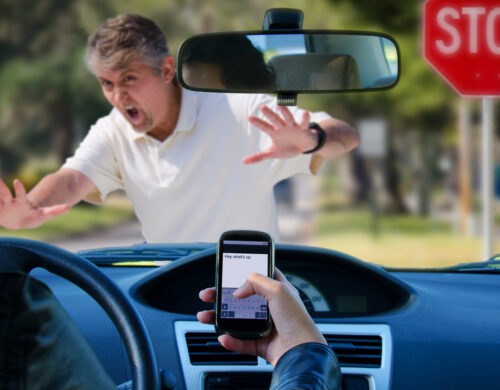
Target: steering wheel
x=23, y=255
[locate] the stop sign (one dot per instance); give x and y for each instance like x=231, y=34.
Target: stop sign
x=462, y=42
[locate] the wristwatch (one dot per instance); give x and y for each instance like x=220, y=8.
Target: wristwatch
x=321, y=137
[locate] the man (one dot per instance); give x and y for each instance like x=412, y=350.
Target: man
x=177, y=154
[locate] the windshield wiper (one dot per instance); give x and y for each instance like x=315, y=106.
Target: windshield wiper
x=142, y=254
x=492, y=265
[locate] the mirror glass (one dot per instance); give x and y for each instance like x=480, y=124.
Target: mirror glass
x=298, y=62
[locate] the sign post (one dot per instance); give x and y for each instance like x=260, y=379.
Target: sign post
x=462, y=43
x=373, y=133
x=487, y=177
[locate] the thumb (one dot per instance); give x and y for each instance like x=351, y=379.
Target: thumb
x=54, y=211
x=258, y=157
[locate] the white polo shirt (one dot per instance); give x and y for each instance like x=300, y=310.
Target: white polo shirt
x=192, y=186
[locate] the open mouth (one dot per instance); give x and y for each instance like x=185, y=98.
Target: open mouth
x=132, y=113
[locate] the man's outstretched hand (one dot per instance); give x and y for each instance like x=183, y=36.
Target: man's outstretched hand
x=18, y=212
x=289, y=138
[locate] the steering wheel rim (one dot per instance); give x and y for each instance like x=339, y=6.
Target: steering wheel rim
x=23, y=255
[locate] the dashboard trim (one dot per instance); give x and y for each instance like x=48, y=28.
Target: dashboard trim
x=378, y=378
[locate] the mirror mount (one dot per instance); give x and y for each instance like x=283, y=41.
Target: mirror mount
x=284, y=19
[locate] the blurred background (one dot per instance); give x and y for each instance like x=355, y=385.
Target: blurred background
x=408, y=197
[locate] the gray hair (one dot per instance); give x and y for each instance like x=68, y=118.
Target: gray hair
x=124, y=39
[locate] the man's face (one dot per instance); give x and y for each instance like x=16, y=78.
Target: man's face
x=139, y=93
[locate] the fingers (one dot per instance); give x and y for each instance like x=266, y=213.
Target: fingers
x=5, y=194
x=54, y=211
x=306, y=119
x=276, y=119
x=19, y=213
x=284, y=118
x=208, y=295
x=228, y=342
x=206, y=317
x=256, y=284
x=279, y=290
x=262, y=285
x=19, y=189
x=258, y=157
x=261, y=124
x=289, y=137
x=242, y=346
x=279, y=276
x=286, y=115
x=34, y=217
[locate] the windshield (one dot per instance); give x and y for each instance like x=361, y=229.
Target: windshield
x=409, y=196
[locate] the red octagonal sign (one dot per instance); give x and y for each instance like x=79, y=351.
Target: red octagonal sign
x=462, y=42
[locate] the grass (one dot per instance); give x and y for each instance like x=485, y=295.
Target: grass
x=80, y=219
x=396, y=241
x=390, y=240
x=404, y=241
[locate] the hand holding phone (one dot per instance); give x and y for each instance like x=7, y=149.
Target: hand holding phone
x=293, y=325
x=240, y=253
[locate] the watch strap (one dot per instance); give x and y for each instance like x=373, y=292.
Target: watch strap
x=321, y=137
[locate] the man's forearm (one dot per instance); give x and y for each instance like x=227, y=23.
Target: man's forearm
x=63, y=186
x=341, y=138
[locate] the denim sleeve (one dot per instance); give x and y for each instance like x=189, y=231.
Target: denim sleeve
x=307, y=366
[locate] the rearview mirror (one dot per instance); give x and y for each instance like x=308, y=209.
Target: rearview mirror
x=288, y=62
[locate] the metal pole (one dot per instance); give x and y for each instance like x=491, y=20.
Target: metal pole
x=487, y=176
x=464, y=166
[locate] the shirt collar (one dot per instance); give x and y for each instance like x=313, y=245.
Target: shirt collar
x=188, y=113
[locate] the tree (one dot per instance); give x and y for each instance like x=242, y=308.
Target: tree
x=390, y=15
x=21, y=32
x=421, y=103
x=47, y=96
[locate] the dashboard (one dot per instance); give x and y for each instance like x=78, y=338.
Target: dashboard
x=330, y=289
x=390, y=330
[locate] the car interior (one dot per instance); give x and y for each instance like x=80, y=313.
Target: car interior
x=389, y=328
x=386, y=326
x=310, y=68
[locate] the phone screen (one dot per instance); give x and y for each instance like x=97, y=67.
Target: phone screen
x=239, y=255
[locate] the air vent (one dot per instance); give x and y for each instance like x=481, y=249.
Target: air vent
x=356, y=350
x=351, y=350
x=204, y=349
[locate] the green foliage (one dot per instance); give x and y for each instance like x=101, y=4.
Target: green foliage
x=22, y=22
x=390, y=15
x=31, y=173
x=47, y=97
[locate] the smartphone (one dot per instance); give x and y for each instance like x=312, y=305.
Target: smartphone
x=240, y=253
